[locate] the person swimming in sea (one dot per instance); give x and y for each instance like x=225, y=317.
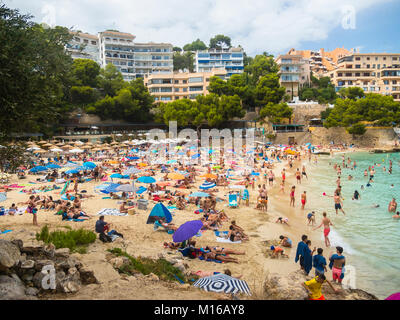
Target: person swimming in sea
x=356, y=195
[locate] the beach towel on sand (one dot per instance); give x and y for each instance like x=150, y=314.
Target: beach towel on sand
x=111, y=212
x=211, y=260
x=221, y=236
x=218, y=239
x=5, y=231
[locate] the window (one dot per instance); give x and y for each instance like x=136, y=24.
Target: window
x=366, y=74
x=94, y=43
x=385, y=81
x=358, y=58
x=166, y=98
x=384, y=58
x=176, y=81
x=394, y=82
x=197, y=79
x=340, y=74
x=365, y=88
x=184, y=81
x=358, y=66
x=176, y=89
x=376, y=58
x=348, y=74
x=184, y=89
x=368, y=66
x=367, y=58
x=350, y=82
x=199, y=88
x=357, y=74
x=365, y=83
x=394, y=58
x=176, y=98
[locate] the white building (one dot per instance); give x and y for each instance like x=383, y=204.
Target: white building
x=133, y=60
x=84, y=46
x=229, y=58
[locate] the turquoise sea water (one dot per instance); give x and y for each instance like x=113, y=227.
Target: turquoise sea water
x=369, y=236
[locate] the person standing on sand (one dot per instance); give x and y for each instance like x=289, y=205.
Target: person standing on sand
x=283, y=173
x=338, y=203
x=319, y=262
x=300, y=251
x=311, y=218
x=298, y=176
x=392, y=205
x=337, y=263
x=292, y=199
x=303, y=200
x=326, y=222
x=303, y=172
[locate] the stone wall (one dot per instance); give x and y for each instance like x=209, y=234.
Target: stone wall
x=302, y=113
x=373, y=138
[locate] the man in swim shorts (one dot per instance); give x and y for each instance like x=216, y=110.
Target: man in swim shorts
x=326, y=222
x=338, y=202
x=337, y=263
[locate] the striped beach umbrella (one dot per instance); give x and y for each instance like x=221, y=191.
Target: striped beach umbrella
x=207, y=185
x=223, y=283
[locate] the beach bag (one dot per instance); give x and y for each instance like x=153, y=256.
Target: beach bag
x=105, y=238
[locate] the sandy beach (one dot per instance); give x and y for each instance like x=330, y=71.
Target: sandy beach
x=141, y=240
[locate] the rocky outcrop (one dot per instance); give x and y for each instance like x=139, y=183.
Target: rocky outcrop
x=29, y=271
x=9, y=255
x=278, y=287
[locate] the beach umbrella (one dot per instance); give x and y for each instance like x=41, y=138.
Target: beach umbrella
x=142, y=164
x=187, y=230
x=89, y=165
x=111, y=188
x=33, y=148
x=207, y=185
x=141, y=190
x=209, y=176
x=116, y=176
x=56, y=150
x=126, y=188
x=196, y=156
x=159, y=211
x=146, y=179
x=53, y=166
x=223, y=283
x=199, y=194
x=72, y=171
x=76, y=150
x=71, y=165
x=133, y=158
x=38, y=169
x=40, y=151
x=132, y=170
x=171, y=161
x=176, y=176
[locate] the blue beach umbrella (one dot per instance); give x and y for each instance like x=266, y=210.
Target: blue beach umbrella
x=133, y=158
x=195, y=156
x=159, y=211
x=141, y=190
x=171, y=161
x=146, y=179
x=90, y=165
x=38, y=169
x=53, y=166
x=72, y=171
x=116, y=176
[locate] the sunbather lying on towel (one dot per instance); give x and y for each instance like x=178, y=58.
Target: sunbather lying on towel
x=221, y=250
x=217, y=256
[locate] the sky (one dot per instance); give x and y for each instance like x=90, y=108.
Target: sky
x=274, y=26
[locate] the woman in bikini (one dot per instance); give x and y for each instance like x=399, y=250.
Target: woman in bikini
x=292, y=199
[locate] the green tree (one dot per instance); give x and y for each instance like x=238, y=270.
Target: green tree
x=111, y=80
x=195, y=45
x=220, y=41
x=177, y=49
x=268, y=90
x=260, y=66
x=352, y=93
x=356, y=129
x=183, y=61
x=83, y=95
x=85, y=72
x=276, y=112
x=34, y=75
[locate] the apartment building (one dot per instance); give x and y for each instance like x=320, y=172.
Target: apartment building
x=180, y=85
x=132, y=59
x=322, y=61
x=373, y=72
x=231, y=59
x=84, y=46
x=294, y=73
